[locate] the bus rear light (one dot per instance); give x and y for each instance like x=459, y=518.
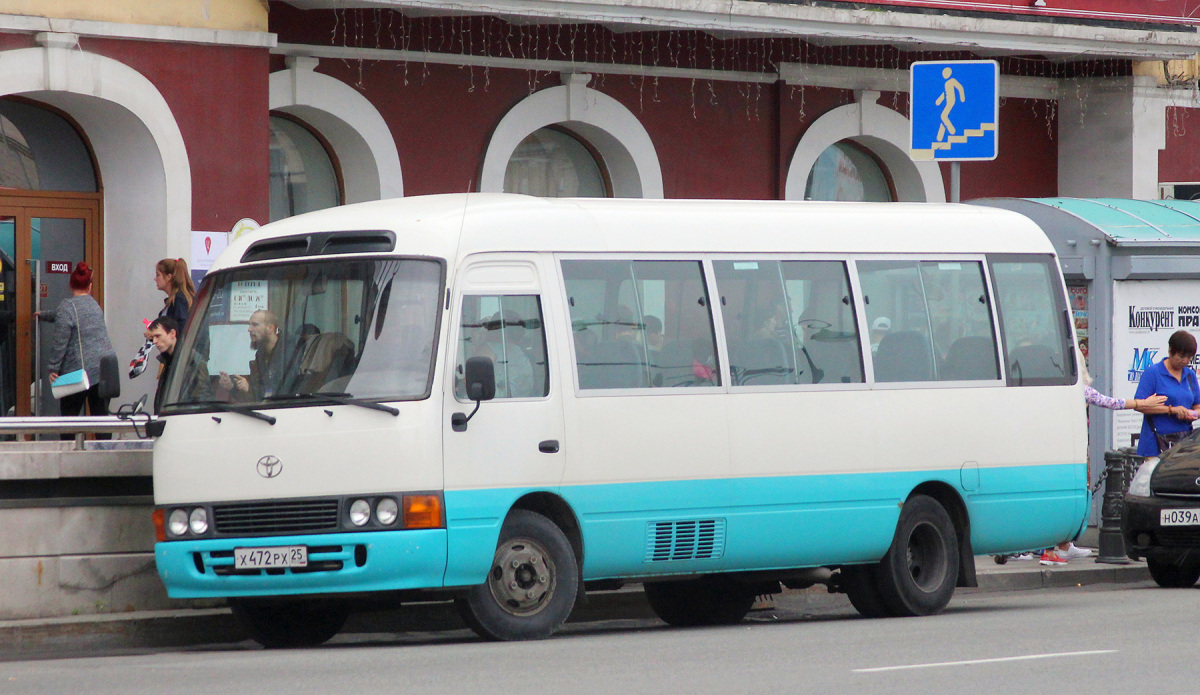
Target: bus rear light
x=160, y=526
x=422, y=511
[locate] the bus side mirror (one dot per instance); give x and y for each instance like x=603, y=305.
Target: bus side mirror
x=480, y=379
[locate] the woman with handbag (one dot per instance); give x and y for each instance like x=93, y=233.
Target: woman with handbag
x=1163, y=426
x=80, y=342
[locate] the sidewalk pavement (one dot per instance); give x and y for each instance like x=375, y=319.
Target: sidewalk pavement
x=80, y=634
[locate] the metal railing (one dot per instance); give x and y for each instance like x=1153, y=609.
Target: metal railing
x=116, y=425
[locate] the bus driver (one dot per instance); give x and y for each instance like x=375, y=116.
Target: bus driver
x=267, y=369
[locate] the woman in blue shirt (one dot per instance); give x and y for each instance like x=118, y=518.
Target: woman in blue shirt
x=1174, y=378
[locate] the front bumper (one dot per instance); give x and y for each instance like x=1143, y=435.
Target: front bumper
x=338, y=563
x=1145, y=536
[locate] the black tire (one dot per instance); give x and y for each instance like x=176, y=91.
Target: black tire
x=858, y=581
x=705, y=601
x=290, y=624
x=1171, y=574
x=532, y=585
x=918, y=574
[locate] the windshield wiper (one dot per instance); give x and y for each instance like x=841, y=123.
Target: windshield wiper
x=239, y=409
x=337, y=398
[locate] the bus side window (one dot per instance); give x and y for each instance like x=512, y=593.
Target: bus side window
x=901, y=344
x=823, y=316
x=964, y=342
x=508, y=329
x=1032, y=321
x=640, y=324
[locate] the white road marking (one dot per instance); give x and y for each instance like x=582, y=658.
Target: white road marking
x=1027, y=657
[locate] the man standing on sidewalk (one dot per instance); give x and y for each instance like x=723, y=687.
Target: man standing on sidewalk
x=163, y=333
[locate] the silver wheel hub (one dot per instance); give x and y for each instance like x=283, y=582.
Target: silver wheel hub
x=522, y=577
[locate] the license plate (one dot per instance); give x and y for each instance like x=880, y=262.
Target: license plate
x=1180, y=517
x=267, y=558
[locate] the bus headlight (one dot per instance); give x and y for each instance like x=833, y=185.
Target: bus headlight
x=177, y=523
x=1140, y=486
x=386, y=511
x=360, y=512
x=199, y=521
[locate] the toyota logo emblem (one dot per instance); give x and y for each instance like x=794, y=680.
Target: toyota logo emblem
x=269, y=466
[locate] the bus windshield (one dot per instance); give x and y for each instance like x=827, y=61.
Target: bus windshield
x=264, y=336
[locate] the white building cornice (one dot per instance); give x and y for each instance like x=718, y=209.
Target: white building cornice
x=22, y=24
x=823, y=24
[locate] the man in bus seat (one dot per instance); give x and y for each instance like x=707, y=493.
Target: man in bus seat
x=271, y=365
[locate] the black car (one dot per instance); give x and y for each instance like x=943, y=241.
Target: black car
x=1161, y=516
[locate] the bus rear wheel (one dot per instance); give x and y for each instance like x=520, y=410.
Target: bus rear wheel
x=920, y=570
x=290, y=624
x=531, y=587
x=705, y=601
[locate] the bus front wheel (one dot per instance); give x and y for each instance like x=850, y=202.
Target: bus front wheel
x=289, y=624
x=531, y=587
x=704, y=601
x=918, y=574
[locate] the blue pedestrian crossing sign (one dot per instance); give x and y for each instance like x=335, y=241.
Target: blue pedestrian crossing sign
x=954, y=109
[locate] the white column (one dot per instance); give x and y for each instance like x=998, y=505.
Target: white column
x=1110, y=133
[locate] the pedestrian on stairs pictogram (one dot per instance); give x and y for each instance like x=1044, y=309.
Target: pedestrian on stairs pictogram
x=954, y=110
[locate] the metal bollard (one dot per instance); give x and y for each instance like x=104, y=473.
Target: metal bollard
x=1119, y=469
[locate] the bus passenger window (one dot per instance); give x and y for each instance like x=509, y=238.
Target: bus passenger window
x=894, y=297
x=788, y=322
x=508, y=330
x=822, y=311
x=640, y=324
x=964, y=342
x=1032, y=322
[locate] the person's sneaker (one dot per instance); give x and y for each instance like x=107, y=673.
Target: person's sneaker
x=1024, y=556
x=1051, y=558
x=1074, y=552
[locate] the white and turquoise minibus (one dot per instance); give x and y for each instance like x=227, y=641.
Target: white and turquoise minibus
x=508, y=401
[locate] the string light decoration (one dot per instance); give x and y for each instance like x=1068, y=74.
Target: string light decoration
x=652, y=58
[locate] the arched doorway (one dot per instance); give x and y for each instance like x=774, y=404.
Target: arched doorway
x=50, y=220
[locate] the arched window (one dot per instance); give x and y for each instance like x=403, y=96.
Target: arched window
x=41, y=151
x=844, y=171
x=303, y=174
x=553, y=163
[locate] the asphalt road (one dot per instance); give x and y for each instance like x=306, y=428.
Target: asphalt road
x=1132, y=638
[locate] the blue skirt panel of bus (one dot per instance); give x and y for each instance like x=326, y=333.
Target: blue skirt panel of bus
x=661, y=528
x=393, y=560
x=674, y=527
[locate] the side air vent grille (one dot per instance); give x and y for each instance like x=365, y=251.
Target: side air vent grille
x=700, y=539
x=298, y=516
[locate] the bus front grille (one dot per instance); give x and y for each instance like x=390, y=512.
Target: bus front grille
x=296, y=516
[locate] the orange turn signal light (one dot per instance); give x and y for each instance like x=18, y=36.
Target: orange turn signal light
x=422, y=511
x=160, y=528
